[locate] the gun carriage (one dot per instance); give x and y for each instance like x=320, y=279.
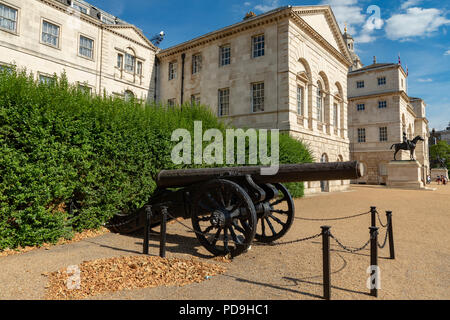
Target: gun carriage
x=230, y=207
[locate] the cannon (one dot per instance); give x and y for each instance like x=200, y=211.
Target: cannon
x=230, y=207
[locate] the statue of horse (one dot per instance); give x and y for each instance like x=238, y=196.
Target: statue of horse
x=408, y=145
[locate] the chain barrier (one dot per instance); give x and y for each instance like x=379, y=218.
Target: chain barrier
x=106, y=225
x=385, y=238
x=379, y=219
x=291, y=242
x=181, y=223
x=348, y=249
x=335, y=219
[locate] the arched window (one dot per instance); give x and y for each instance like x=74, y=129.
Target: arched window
x=128, y=95
x=320, y=102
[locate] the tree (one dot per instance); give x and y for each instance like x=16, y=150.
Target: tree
x=441, y=149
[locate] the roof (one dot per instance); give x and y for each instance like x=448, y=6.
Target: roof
x=375, y=66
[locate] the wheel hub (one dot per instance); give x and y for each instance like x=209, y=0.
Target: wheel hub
x=218, y=219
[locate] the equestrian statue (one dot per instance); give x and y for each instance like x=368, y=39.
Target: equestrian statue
x=408, y=145
x=439, y=162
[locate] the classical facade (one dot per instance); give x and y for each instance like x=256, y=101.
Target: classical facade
x=443, y=135
x=380, y=111
x=95, y=49
x=284, y=69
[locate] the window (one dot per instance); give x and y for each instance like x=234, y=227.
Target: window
x=382, y=104
x=8, y=18
x=360, y=84
x=383, y=134
x=171, y=102
x=130, y=62
x=86, y=47
x=107, y=20
x=258, y=46
x=381, y=81
x=172, y=70
x=196, y=63
x=43, y=79
x=225, y=55
x=6, y=68
x=319, y=103
x=195, y=99
x=300, y=101
x=139, y=68
x=258, y=97
x=85, y=89
x=224, y=102
x=335, y=115
x=50, y=34
x=80, y=8
x=128, y=95
x=361, y=107
x=119, y=61
x=361, y=135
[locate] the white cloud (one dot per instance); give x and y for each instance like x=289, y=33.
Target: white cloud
x=247, y=4
x=416, y=22
x=267, y=5
x=447, y=53
x=410, y=3
x=425, y=80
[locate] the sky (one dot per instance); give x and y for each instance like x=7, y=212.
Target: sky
x=417, y=30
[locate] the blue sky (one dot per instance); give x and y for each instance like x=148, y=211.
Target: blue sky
x=418, y=30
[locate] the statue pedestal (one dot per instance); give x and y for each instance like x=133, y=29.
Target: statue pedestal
x=404, y=174
x=437, y=173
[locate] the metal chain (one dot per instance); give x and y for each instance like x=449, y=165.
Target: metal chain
x=381, y=223
x=347, y=249
x=106, y=225
x=291, y=242
x=189, y=228
x=334, y=219
x=385, y=238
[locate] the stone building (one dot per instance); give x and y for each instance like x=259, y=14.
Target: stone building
x=284, y=69
x=380, y=110
x=95, y=49
x=443, y=135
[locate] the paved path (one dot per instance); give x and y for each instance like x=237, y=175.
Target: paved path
x=421, y=270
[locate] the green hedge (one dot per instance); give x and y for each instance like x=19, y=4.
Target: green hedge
x=70, y=161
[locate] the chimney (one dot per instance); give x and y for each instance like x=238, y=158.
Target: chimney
x=374, y=59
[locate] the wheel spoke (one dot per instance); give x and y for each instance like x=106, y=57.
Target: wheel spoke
x=237, y=227
x=263, y=228
x=225, y=240
x=234, y=237
x=270, y=226
x=277, y=220
x=278, y=201
x=279, y=211
x=205, y=206
x=213, y=201
x=208, y=229
x=206, y=218
x=216, y=237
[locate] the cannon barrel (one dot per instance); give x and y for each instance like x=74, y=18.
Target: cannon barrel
x=286, y=173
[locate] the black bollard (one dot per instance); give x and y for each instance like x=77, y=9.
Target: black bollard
x=374, y=259
x=162, y=243
x=148, y=218
x=326, y=262
x=391, y=234
x=373, y=213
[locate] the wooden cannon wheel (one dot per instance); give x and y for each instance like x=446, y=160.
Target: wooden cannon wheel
x=224, y=217
x=278, y=219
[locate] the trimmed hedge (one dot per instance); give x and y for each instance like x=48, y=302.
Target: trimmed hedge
x=70, y=161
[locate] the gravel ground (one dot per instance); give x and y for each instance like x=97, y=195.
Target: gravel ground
x=421, y=269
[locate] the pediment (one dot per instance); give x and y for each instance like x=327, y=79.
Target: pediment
x=323, y=21
x=303, y=76
x=132, y=33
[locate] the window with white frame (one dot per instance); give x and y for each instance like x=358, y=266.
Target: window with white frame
x=80, y=8
x=258, y=97
x=258, y=46
x=85, y=89
x=224, y=102
x=8, y=18
x=382, y=104
x=359, y=84
x=300, y=100
x=335, y=115
x=361, y=135
x=86, y=47
x=50, y=33
x=360, y=107
x=119, y=60
x=107, y=20
x=128, y=95
x=225, y=55
x=139, y=68
x=319, y=103
x=172, y=70
x=383, y=134
x=196, y=63
x=381, y=81
x=130, y=62
x=44, y=79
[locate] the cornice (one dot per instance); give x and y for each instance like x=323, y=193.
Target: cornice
x=381, y=94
